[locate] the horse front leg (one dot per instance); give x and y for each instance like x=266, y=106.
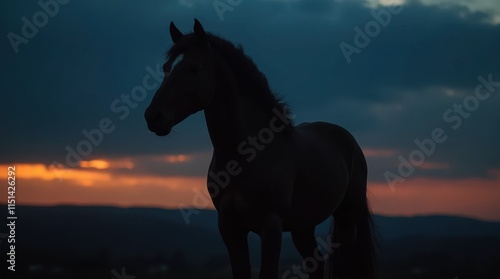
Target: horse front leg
x=236, y=240
x=271, y=234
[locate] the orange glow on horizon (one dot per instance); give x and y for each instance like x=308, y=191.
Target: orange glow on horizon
x=42, y=185
x=471, y=197
x=181, y=158
x=378, y=152
x=101, y=164
x=42, y=172
x=97, y=164
x=434, y=166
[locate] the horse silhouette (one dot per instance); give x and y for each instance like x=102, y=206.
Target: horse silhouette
x=267, y=175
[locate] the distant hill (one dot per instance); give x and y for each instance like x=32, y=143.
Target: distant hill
x=65, y=238
x=436, y=226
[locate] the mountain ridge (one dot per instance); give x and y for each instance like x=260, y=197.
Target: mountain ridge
x=106, y=234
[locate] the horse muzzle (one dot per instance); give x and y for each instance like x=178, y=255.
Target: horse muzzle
x=158, y=123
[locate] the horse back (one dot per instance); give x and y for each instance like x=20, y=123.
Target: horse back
x=329, y=142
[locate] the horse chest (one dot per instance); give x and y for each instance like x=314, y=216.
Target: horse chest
x=249, y=198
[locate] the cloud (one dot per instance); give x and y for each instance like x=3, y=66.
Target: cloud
x=369, y=153
x=395, y=91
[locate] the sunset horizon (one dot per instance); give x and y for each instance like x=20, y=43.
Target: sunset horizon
x=126, y=182
x=237, y=139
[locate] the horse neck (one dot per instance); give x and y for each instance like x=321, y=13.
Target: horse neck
x=233, y=117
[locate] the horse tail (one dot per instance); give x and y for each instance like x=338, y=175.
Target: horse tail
x=364, y=247
x=353, y=231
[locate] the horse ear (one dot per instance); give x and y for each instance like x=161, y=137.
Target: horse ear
x=200, y=33
x=175, y=34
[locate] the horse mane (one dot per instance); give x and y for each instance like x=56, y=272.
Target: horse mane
x=246, y=74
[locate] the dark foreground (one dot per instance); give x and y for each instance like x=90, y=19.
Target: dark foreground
x=142, y=243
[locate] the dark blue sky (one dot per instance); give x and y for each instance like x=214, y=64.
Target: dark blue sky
x=394, y=91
